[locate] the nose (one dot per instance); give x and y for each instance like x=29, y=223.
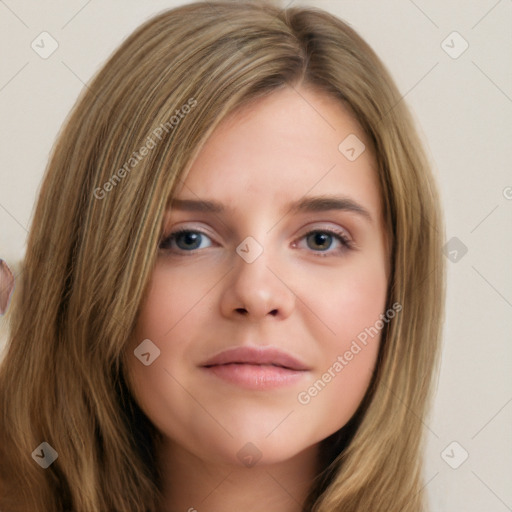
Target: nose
x=257, y=289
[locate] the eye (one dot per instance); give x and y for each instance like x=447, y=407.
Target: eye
x=185, y=240
x=322, y=241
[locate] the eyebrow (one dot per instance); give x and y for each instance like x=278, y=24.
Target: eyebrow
x=304, y=205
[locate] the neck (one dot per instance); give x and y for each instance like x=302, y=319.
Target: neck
x=191, y=484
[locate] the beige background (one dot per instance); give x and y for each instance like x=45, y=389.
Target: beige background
x=464, y=109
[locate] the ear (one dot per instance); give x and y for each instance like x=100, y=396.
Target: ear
x=6, y=286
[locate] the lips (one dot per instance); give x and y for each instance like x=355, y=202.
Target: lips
x=256, y=368
x=260, y=356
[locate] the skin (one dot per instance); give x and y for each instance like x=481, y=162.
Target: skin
x=6, y=286
x=208, y=298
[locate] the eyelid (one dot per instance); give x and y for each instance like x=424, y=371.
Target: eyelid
x=184, y=229
x=339, y=233
x=342, y=235
x=314, y=226
x=327, y=226
x=185, y=226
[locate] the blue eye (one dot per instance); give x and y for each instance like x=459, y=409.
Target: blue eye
x=185, y=239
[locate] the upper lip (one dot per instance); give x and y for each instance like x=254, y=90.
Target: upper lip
x=256, y=355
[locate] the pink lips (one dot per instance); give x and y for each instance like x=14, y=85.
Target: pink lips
x=256, y=368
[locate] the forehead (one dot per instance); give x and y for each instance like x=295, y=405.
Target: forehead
x=280, y=148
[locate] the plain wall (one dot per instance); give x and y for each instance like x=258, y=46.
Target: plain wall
x=463, y=106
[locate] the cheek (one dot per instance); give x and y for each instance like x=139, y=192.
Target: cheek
x=351, y=307
x=360, y=301
x=169, y=320
x=349, y=300
x=172, y=296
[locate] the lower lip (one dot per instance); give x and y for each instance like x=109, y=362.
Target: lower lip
x=255, y=376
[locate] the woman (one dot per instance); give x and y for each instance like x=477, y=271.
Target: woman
x=283, y=363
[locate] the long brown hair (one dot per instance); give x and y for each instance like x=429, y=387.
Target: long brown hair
x=94, y=237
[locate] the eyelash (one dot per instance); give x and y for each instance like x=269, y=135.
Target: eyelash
x=346, y=243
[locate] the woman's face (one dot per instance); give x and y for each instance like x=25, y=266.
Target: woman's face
x=292, y=287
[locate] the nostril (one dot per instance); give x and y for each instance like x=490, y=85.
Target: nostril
x=244, y=311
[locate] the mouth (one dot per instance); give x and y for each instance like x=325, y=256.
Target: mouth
x=256, y=368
